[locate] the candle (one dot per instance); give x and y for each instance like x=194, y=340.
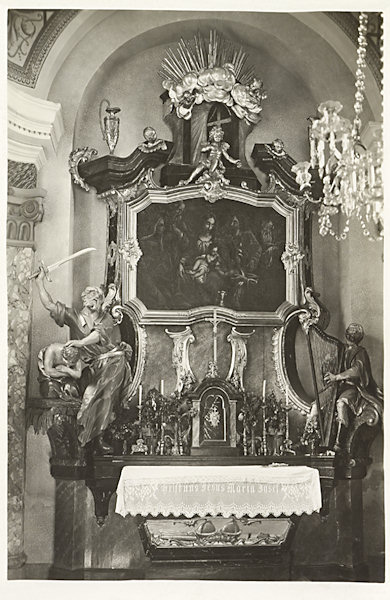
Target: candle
x=215, y=335
x=265, y=450
x=287, y=421
x=140, y=396
x=162, y=387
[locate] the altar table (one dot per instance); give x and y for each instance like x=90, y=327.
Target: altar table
x=250, y=490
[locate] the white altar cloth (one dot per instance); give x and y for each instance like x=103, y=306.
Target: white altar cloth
x=218, y=490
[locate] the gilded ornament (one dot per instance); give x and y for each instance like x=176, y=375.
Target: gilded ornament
x=80, y=155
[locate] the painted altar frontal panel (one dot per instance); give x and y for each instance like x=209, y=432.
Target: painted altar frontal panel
x=196, y=255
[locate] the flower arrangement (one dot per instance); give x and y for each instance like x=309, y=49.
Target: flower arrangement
x=166, y=423
x=311, y=435
x=213, y=72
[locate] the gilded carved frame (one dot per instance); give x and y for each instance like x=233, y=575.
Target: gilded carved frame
x=291, y=258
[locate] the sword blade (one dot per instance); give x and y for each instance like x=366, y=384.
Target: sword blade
x=57, y=264
x=68, y=258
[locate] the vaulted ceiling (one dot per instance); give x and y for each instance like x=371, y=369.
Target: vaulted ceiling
x=33, y=33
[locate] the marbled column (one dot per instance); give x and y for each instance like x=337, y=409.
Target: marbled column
x=24, y=210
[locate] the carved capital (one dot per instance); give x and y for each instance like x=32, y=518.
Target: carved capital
x=24, y=210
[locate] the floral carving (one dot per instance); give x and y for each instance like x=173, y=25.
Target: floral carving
x=130, y=252
x=291, y=257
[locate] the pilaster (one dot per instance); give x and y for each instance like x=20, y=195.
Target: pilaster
x=24, y=211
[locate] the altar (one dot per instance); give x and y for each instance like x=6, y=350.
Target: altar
x=194, y=417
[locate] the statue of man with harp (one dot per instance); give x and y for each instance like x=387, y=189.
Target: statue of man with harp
x=356, y=386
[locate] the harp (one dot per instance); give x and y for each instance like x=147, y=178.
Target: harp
x=326, y=355
x=321, y=353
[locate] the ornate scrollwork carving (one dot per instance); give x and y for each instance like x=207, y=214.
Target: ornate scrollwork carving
x=148, y=180
x=291, y=257
x=312, y=311
x=130, y=252
x=238, y=343
x=80, y=155
x=180, y=359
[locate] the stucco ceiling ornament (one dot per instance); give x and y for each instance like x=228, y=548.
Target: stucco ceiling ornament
x=212, y=71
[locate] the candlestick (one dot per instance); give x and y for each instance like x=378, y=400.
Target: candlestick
x=265, y=450
x=287, y=424
x=244, y=442
x=215, y=335
x=140, y=410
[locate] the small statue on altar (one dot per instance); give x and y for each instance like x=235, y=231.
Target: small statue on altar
x=212, y=167
x=151, y=143
x=357, y=387
x=98, y=339
x=59, y=369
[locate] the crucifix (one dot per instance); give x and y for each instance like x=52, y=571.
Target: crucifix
x=214, y=321
x=216, y=117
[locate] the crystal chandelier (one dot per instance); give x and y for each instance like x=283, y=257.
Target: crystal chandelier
x=351, y=175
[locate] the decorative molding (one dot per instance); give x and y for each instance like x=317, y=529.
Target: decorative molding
x=279, y=359
x=27, y=74
x=180, y=360
x=24, y=210
x=35, y=127
x=26, y=153
x=238, y=342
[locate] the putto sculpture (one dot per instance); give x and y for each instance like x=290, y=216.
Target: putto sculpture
x=211, y=167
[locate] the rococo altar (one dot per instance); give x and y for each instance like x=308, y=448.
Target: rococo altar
x=241, y=453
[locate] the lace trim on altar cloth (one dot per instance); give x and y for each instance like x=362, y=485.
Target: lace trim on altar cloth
x=225, y=491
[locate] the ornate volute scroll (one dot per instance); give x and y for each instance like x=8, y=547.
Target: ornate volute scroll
x=180, y=359
x=238, y=341
x=312, y=312
x=80, y=155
